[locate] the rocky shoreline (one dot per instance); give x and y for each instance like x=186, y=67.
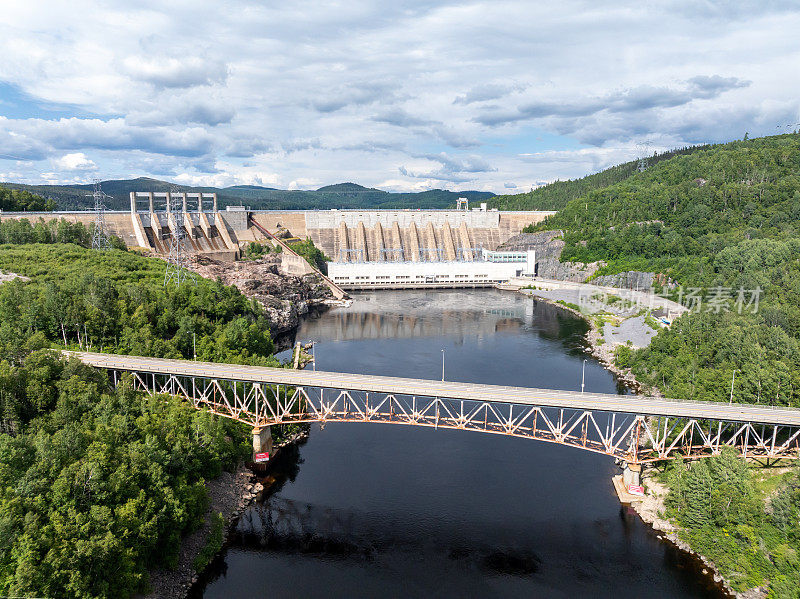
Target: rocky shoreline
x=228, y=494
x=604, y=353
x=596, y=343
x=286, y=298
x=650, y=510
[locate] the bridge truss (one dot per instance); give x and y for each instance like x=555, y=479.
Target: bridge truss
x=634, y=438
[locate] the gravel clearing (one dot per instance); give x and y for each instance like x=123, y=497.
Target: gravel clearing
x=631, y=328
x=10, y=276
x=634, y=330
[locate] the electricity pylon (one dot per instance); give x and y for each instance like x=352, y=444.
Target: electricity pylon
x=99, y=235
x=176, y=261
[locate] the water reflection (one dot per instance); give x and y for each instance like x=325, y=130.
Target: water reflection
x=459, y=314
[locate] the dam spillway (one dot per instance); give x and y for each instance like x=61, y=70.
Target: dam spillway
x=401, y=235
x=368, y=248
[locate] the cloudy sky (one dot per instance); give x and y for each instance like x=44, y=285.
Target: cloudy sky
x=404, y=95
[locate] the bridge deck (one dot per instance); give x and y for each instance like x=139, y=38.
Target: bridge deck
x=630, y=404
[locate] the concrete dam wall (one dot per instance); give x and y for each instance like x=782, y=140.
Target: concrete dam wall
x=345, y=236
x=401, y=235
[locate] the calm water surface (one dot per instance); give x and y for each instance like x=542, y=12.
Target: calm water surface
x=383, y=510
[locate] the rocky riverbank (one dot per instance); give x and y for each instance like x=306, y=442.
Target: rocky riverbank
x=285, y=297
x=613, y=320
x=651, y=510
x=229, y=495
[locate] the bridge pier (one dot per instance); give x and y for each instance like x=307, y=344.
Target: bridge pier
x=631, y=474
x=262, y=440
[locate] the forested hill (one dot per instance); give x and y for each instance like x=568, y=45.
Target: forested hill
x=18, y=200
x=341, y=195
x=716, y=221
x=554, y=196
x=691, y=205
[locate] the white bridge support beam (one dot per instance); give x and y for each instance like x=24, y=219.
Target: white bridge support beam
x=631, y=474
x=262, y=439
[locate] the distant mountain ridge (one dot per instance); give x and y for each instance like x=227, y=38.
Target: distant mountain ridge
x=349, y=187
x=340, y=195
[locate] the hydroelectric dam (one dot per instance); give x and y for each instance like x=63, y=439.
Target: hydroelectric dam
x=368, y=248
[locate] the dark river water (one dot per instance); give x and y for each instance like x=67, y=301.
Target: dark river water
x=380, y=510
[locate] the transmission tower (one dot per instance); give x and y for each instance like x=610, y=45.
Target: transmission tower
x=643, y=149
x=176, y=261
x=99, y=235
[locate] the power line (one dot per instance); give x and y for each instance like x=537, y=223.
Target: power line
x=643, y=149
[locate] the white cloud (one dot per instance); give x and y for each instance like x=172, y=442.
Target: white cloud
x=303, y=184
x=76, y=161
x=171, y=72
x=407, y=95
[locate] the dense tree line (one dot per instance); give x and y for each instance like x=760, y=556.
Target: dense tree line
x=313, y=255
x=343, y=195
x=18, y=200
x=21, y=231
x=748, y=526
x=693, y=205
x=98, y=484
x=117, y=301
x=714, y=221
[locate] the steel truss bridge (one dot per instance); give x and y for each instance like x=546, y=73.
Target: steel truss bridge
x=635, y=429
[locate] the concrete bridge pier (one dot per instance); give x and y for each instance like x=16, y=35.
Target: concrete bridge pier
x=631, y=474
x=262, y=439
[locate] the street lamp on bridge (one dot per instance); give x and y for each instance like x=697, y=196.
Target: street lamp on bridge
x=583, y=375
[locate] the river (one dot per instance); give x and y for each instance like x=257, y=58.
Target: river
x=382, y=510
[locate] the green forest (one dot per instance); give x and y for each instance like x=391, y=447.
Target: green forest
x=21, y=231
x=116, y=301
x=98, y=484
x=22, y=200
x=340, y=195
x=555, y=196
x=748, y=524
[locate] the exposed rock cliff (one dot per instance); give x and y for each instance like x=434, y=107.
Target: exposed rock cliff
x=284, y=297
x=548, y=246
x=630, y=279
